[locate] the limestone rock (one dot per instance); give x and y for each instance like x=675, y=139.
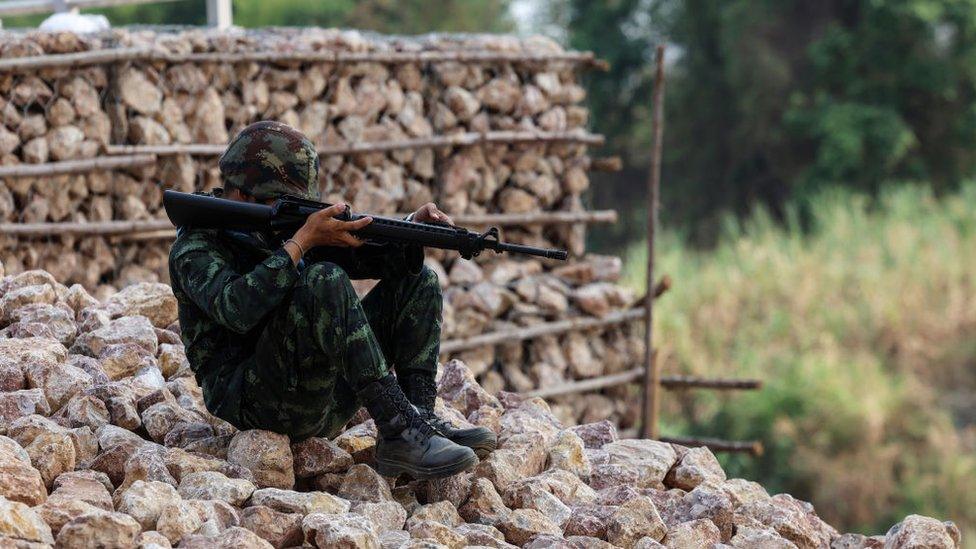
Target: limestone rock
x=454, y=489
x=152, y=300
x=748, y=536
x=567, y=487
x=359, y=441
x=567, y=454
x=458, y=387
x=99, y=529
x=138, y=92
x=651, y=459
x=695, y=533
x=696, y=466
x=384, y=516
x=708, y=501
x=10, y=450
x=484, y=505
x=58, y=512
x=535, y=496
x=83, y=411
x=363, y=483
x=441, y=512
x=90, y=487
x=277, y=528
x=267, y=455
x=918, y=531
x=20, y=482
x=20, y=522
x=636, y=519
x=289, y=501
x=590, y=521
x=145, y=501
x=595, y=435
x=64, y=142
x=177, y=519
x=52, y=453
x=127, y=329
x=742, y=491
x=172, y=358
x=521, y=525
x=315, y=456
x=17, y=404
x=790, y=518
x=214, y=485
x=152, y=539
x=481, y=535
x=340, y=531
x=234, y=537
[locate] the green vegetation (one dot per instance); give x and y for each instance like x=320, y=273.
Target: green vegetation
x=388, y=16
x=769, y=100
x=862, y=328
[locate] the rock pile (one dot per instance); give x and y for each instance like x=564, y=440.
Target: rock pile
x=104, y=441
x=70, y=113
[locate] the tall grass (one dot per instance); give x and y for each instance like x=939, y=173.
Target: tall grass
x=863, y=327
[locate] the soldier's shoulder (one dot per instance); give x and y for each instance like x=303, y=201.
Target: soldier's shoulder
x=194, y=240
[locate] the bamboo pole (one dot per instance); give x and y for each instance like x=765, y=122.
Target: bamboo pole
x=670, y=383
x=607, y=164
x=96, y=228
x=662, y=286
x=455, y=140
x=673, y=383
x=119, y=55
x=162, y=229
x=752, y=447
x=652, y=373
x=587, y=385
x=538, y=330
x=77, y=166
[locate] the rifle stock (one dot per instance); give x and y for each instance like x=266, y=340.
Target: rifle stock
x=289, y=213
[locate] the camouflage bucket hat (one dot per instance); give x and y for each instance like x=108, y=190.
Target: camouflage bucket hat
x=270, y=159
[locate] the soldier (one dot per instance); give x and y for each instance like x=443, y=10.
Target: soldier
x=277, y=337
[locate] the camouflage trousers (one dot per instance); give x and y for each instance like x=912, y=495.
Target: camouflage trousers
x=324, y=343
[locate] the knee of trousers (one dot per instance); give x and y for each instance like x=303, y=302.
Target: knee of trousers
x=327, y=281
x=428, y=281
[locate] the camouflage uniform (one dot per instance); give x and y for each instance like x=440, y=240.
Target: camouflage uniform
x=284, y=348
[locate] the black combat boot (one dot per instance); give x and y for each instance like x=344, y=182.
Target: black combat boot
x=406, y=442
x=422, y=392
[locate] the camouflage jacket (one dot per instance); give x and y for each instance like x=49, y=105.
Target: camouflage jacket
x=227, y=283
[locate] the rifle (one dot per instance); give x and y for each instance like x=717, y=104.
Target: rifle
x=289, y=213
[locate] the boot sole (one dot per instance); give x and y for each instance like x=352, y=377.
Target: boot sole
x=389, y=468
x=482, y=450
x=482, y=447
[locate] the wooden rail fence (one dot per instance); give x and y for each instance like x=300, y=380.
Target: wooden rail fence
x=123, y=55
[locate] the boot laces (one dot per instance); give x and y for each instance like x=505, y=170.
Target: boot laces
x=415, y=421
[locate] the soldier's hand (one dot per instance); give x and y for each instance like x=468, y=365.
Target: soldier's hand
x=322, y=229
x=430, y=212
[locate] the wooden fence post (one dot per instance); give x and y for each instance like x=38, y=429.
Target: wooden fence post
x=652, y=372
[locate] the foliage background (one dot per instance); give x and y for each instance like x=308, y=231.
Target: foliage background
x=819, y=224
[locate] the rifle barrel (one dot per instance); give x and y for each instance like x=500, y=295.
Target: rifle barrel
x=548, y=253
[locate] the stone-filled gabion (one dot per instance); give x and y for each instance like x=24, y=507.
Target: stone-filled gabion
x=70, y=113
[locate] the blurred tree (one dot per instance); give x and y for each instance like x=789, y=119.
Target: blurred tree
x=771, y=99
